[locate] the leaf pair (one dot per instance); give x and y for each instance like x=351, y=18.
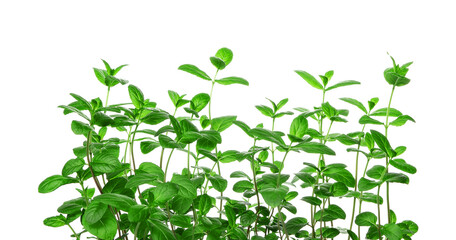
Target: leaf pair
x=312, y=81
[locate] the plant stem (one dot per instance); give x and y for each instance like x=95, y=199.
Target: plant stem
x=131, y=148
x=95, y=179
x=378, y=210
x=210, y=96
x=272, y=144
x=75, y=234
x=167, y=163
x=386, y=135
x=107, y=97
x=283, y=223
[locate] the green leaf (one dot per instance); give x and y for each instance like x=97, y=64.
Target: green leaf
x=342, y=84
x=218, y=182
x=159, y=231
x=139, y=179
x=82, y=100
x=232, y=80
x=138, y=213
x=199, y=101
x=105, y=228
x=368, y=120
x=136, y=96
x=299, y=126
x=164, y=192
x=242, y=186
x=401, y=120
x=167, y=142
x=376, y=171
x=222, y=123
x=383, y=143
x=314, y=147
x=341, y=175
x=95, y=211
x=392, y=231
x=402, y=165
x=181, y=204
x=295, y=224
x=53, y=182
x=396, y=177
x=148, y=146
x=174, y=96
x=352, y=235
x=239, y=174
x=355, y=103
x=72, y=206
x=274, y=196
x=267, y=135
x=153, y=169
x=192, y=69
x=155, y=117
x=372, y=102
x=331, y=232
x=70, y=109
x=105, y=162
x=383, y=111
x=116, y=200
x=186, y=187
x=102, y=120
x=56, y=221
x=305, y=177
x=247, y=218
x=366, y=219
x=338, y=189
x=100, y=74
x=225, y=54
x=312, y=200
x=181, y=221
x=366, y=184
x=205, y=204
x=329, y=110
x=72, y=166
x=310, y=79
x=265, y=110
x=331, y=213
x=218, y=63
x=370, y=197
x=209, y=140
x=80, y=128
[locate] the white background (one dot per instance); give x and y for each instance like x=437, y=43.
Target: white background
x=48, y=49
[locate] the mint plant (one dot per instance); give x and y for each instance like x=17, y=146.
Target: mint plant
x=123, y=197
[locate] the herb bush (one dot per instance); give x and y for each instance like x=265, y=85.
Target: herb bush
x=121, y=198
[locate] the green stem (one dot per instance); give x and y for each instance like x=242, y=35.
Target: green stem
x=283, y=223
x=272, y=144
x=167, y=163
x=210, y=96
x=386, y=135
x=378, y=210
x=131, y=148
x=75, y=234
x=107, y=97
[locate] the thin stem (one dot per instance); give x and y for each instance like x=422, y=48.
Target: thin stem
x=283, y=223
x=167, y=163
x=107, y=97
x=95, y=179
x=221, y=193
x=378, y=210
x=131, y=148
x=386, y=135
x=272, y=144
x=210, y=96
x=75, y=234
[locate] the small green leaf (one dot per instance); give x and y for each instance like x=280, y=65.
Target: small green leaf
x=366, y=184
x=401, y=120
x=392, y=231
x=341, y=175
x=167, y=142
x=274, y=196
x=199, y=101
x=155, y=117
x=151, y=168
x=186, y=187
x=181, y=221
x=295, y=224
x=136, y=96
x=116, y=200
x=80, y=128
x=305, y=177
x=105, y=228
x=299, y=126
x=222, y=123
x=331, y=232
x=164, y=192
x=105, y=162
x=53, y=182
x=265, y=110
x=138, y=213
x=267, y=135
x=56, y=221
x=312, y=200
x=148, y=146
x=192, y=69
x=355, y=103
x=218, y=182
x=205, y=204
x=376, y=171
x=372, y=102
x=139, y=179
x=402, y=165
x=232, y=80
x=218, y=63
x=396, y=177
x=366, y=219
x=314, y=147
x=368, y=120
x=383, y=111
x=310, y=79
x=247, y=218
x=81, y=100
x=159, y=230
x=72, y=166
x=242, y=186
x=383, y=143
x=225, y=54
x=342, y=84
x=329, y=110
x=239, y=174
x=95, y=211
